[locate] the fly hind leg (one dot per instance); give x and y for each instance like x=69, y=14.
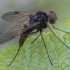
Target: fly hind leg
x=21, y=42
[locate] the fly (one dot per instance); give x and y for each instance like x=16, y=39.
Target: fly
x=27, y=23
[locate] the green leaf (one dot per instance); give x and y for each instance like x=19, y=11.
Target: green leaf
x=34, y=56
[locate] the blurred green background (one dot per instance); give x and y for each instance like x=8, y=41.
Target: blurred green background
x=62, y=9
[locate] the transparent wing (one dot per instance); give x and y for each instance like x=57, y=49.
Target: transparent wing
x=16, y=16
x=17, y=30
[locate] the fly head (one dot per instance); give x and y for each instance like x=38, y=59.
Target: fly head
x=52, y=17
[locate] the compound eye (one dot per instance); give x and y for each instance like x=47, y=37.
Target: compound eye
x=52, y=17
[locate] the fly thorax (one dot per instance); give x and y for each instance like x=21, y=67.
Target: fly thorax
x=41, y=26
x=39, y=17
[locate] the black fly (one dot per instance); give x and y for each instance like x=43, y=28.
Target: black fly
x=27, y=23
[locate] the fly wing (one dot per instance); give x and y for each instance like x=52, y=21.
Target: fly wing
x=13, y=32
x=16, y=17
x=17, y=30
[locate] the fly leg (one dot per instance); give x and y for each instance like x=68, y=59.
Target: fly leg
x=46, y=48
x=60, y=29
x=33, y=33
x=21, y=41
x=35, y=39
x=58, y=38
